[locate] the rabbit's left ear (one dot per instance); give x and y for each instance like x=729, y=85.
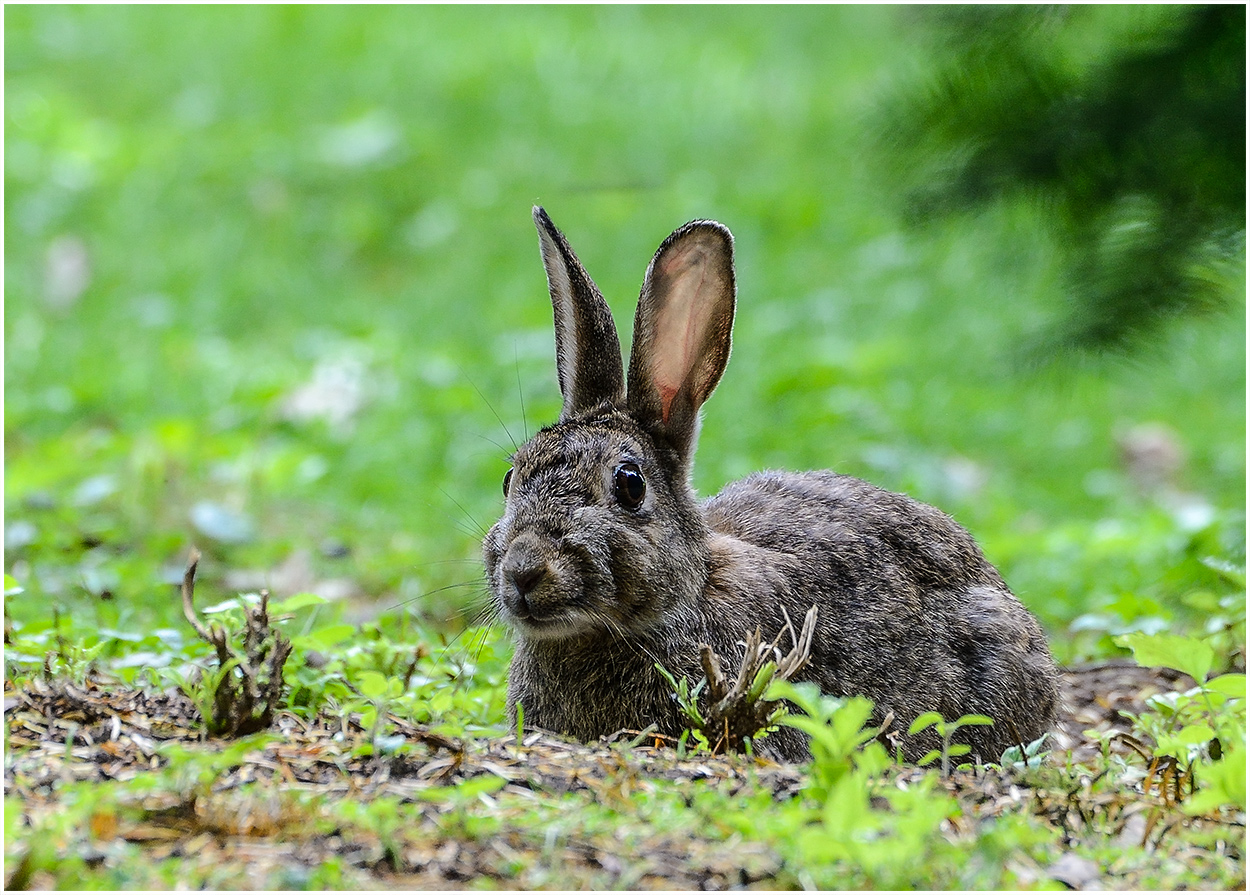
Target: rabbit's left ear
x=588, y=352
x=681, y=331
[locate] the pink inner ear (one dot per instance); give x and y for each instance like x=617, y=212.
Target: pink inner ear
x=681, y=322
x=666, y=398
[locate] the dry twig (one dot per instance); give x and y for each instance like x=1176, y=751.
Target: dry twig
x=738, y=712
x=251, y=685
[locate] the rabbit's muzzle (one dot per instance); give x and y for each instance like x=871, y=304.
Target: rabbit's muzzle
x=538, y=587
x=524, y=576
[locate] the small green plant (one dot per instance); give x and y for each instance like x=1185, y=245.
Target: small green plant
x=733, y=715
x=192, y=770
x=866, y=834
x=842, y=740
x=242, y=694
x=946, y=730
x=1198, y=736
x=1028, y=758
x=733, y=718
x=380, y=691
x=688, y=701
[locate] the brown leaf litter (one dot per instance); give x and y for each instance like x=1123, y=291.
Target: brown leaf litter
x=61, y=733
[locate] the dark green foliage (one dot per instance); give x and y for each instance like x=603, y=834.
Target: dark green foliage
x=1136, y=153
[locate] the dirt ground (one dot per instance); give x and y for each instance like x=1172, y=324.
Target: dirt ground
x=60, y=733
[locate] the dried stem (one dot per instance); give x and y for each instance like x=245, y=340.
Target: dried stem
x=738, y=712
x=241, y=690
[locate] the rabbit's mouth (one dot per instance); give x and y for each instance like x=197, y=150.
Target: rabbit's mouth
x=560, y=627
x=540, y=620
x=571, y=622
x=537, y=603
x=562, y=615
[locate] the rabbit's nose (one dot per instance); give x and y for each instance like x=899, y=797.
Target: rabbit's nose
x=524, y=573
x=526, y=579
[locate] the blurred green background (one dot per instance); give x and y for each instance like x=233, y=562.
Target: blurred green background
x=272, y=288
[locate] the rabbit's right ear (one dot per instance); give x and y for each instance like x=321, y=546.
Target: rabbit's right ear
x=588, y=352
x=681, y=331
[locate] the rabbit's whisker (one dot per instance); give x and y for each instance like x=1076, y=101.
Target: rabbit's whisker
x=469, y=380
x=483, y=619
x=443, y=562
x=481, y=642
x=430, y=593
x=477, y=525
x=506, y=452
x=516, y=362
x=615, y=628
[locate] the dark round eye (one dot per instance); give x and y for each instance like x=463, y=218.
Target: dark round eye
x=507, y=480
x=631, y=487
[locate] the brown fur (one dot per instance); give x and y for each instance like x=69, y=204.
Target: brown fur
x=909, y=612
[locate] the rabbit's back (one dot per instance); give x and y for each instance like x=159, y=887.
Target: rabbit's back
x=910, y=613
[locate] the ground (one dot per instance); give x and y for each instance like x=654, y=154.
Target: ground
x=256, y=815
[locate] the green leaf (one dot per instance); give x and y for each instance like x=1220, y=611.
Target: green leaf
x=296, y=601
x=958, y=749
x=1195, y=735
x=13, y=811
x=763, y=678
x=847, y=812
x=1230, y=685
x=11, y=587
x=974, y=721
x=818, y=730
x=1035, y=747
x=930, y=757
x=668, y=676
x=849, y=720
x=1185, y=744
x=692, y=712
x=873, y=759
x=1222, y=783
x=1187, y=654
x=470, y=789
x=805, y=695
x=323, y=638
x=1230, y=572
x=1010, y=756
x=925, y=721
x=371, y=684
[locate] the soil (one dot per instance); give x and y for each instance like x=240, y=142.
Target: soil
x=61, y=732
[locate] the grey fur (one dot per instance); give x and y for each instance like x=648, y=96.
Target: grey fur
x=910, y=613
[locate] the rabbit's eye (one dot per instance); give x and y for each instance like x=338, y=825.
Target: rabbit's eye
x=507, y=480
x=631, y=487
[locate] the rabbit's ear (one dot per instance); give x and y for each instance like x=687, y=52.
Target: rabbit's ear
x=681, y=330
x=588, y=352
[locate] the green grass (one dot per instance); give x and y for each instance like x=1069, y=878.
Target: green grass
x=258, y=191
x=265, y=192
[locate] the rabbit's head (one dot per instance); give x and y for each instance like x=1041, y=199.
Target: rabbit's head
x=600, y=532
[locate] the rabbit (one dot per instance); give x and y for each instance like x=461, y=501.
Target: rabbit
x=605, y=563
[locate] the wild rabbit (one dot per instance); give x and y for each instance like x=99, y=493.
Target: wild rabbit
x=604, y=562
